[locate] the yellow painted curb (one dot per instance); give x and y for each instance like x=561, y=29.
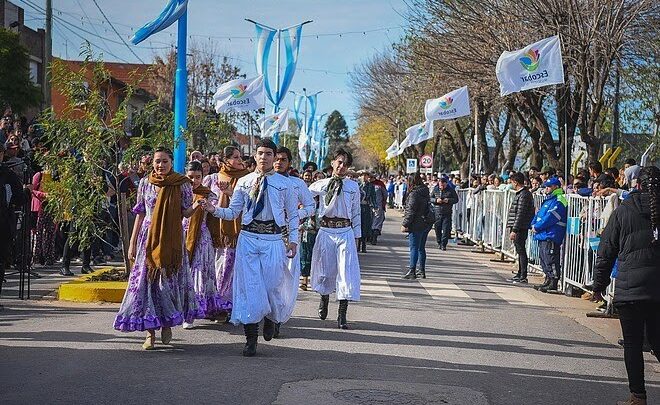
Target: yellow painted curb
x=81, y=290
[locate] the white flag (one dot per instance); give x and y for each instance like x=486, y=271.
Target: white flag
x=416, y=134
x=273, y=123
x=240, y=95
x=393, y=150
x=303, y=145
x=537, y=65
x=452, y=105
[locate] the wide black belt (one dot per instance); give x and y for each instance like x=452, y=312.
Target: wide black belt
x=327, y=222
x=262, y=227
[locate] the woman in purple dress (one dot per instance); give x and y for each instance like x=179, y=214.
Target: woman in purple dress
x=222, y=185
x=160, y=293
x=202, y=237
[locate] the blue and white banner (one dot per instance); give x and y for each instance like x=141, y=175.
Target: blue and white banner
x=297, y=102
x=417, y=134
x=240, y=95
x=271, y=124
x=170, y=14
x=452, y=105
x=393, y=150
x=536, y=65
x=291, y=38
x=303, y=145
x=313, y=99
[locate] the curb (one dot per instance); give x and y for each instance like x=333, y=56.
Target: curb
x=82, y=290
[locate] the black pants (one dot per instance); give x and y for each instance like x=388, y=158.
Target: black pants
x=550, y=255
x=442, y=229
x=520, y=243
x=70, y=248
x=634, y=316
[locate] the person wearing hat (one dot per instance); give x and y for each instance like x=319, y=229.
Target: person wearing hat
x=443, y=199
x=549, y=227
x=547, y=172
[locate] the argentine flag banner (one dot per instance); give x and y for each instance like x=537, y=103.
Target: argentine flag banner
x=537, y=65
x=240, y=95
x=270, y=124
x=393, y=150
x=452, y=105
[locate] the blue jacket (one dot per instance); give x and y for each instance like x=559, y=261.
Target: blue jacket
x=550, y=220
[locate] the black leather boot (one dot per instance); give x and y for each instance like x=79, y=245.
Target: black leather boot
x=251, y=336
x=269, y=329
x=411, y=274
x=545, y=284
x=551, y=286
x=341, y=319
x=276, y=333
x=323, y=306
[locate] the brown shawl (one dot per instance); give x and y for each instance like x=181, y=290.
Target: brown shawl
x=195, y=225
x=164, y=247
x=229, y=229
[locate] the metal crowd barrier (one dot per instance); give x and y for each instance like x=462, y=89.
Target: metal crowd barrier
x=481, y=216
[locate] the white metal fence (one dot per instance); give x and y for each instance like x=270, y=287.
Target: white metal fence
x=481, y=215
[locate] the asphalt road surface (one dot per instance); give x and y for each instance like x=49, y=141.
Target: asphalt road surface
x=462, y=336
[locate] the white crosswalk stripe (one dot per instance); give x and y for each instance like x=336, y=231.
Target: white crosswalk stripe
x=515, y=295
x=382, y=288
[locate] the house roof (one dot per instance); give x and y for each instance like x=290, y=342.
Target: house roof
x=134, y=73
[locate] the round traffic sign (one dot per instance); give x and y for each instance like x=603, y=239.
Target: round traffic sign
x=426, y=161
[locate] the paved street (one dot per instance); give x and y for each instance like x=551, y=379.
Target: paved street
x=462, y=336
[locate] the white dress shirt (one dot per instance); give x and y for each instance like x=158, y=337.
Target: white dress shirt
x=345, y=205
x=306, y=203
x=280, y=203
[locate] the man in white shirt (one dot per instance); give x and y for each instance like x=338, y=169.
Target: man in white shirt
x=269, y=209
x=306, y=208
x=335, y=265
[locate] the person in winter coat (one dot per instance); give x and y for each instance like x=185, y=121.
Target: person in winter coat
x=416, y=223
x=549, y=227
x=519, y=220
x=11, y=197
x=443, y=199
x=632, y=239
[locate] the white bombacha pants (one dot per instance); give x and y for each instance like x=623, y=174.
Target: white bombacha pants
x=335, y=265
x=263, y=284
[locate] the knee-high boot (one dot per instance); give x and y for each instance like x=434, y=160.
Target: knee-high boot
x=251, y=336
x=342, y=323
x=323, y=306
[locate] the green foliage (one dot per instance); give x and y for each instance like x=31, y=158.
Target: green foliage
x=16, y=88
x=337, y=131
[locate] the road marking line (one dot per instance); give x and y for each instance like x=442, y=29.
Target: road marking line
x=376, y=288
x=516, y=296
x=444, y=290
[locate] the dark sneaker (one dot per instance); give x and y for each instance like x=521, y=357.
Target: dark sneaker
x=66, y=272
x=520, y=281
x=513, y=279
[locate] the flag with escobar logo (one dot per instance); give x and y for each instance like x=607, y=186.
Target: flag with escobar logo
x=452, y=105
x=240, y=95
x=537, y=65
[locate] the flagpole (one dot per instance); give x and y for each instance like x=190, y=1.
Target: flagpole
x=180, y=98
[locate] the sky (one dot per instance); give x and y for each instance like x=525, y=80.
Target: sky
x=326, y=58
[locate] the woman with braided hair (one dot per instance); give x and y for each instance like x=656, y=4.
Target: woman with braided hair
x=632, y=237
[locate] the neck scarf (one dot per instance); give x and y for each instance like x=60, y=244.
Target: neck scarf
x=334, y=188
x=164, y=250
x=195, y=225
x=229, y=229
x=258, y=193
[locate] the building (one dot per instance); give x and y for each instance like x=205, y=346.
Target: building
x=12, y=17
x=121, y=75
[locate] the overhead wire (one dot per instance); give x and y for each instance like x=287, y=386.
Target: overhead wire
x=116, y=32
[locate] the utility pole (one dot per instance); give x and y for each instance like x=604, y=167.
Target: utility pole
x=48, y=52
x=614, y=139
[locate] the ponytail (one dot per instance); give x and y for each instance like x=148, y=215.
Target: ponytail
x=649, y=178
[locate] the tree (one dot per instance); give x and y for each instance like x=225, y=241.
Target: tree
x=16, y=88
x=86, y=144
x=372, y=138
x=337, y=130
